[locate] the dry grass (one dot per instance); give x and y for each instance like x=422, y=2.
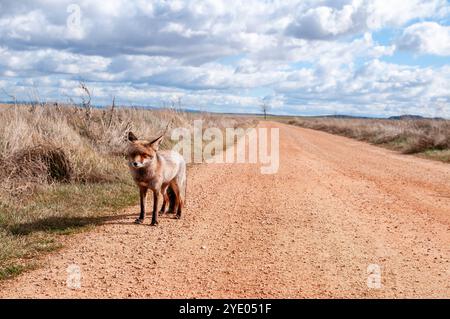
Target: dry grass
x=429, y=138
x=53, y=158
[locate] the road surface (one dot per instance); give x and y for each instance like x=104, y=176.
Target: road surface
x=336, y=211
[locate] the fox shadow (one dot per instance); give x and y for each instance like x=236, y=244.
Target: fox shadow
x=63, y=224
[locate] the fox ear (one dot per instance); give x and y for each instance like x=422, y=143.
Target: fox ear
x=132, y=137
x=156, y=142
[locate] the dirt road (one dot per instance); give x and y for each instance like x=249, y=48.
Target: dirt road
x=335, y=207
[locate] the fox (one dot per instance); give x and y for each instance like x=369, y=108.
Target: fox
x=163, y=172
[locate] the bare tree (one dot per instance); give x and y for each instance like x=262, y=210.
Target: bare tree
x=112, y=111
x=265, y=107
x=179, y=103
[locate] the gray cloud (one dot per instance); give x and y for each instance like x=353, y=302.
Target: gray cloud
x=302, y=55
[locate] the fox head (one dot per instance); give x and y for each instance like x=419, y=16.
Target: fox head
x=142, y=153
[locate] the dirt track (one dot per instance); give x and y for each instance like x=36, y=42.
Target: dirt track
x=311, y=230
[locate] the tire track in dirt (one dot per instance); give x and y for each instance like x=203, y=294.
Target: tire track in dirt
x=311, y=230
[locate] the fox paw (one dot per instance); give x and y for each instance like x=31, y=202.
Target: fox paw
x=139, y=221
x=154, y=223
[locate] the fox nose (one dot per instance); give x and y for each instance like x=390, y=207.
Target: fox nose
x=135, y=164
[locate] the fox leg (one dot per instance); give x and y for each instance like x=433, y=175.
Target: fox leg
x=165, y=200
x=169, y=198
x=177, y=200
x=180, y=206
x=181, y=193
x=143, y=197
x=172, y=199
x=155, y=207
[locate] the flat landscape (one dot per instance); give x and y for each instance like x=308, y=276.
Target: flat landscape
x=225, y=149
x=335, y=207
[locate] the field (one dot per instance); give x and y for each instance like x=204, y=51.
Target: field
x=62, y=170
x=425, y=137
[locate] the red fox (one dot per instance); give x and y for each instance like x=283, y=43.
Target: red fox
x=159, y=171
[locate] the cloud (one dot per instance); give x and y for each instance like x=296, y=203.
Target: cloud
x=333, y=19
x=375, y=87
x=426, y=38
x=195, y=31
x=324, y=22
x=302, y=56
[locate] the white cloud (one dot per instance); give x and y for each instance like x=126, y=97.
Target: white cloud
x=382, y=13
x=427, y=38
x=302, y=55
x=375, y=86
x=331, y=19
x=325, y=22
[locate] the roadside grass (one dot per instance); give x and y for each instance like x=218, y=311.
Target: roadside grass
x=427, y=138
x=439, y=155
x=62, y=208
x=63, y=170
x=29, y=229
x=13, y=271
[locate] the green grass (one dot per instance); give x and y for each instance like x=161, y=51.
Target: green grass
x=11, y=271
x=439, y=155
x=30, y=229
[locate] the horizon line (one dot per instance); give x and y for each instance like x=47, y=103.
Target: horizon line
x=193, y=110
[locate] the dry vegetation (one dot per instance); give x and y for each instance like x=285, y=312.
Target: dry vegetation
x=426, y=137
x=62, y=169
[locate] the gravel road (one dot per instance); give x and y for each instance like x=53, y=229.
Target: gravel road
x=335, y=207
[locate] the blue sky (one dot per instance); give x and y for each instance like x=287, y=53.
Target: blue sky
x=358, y=57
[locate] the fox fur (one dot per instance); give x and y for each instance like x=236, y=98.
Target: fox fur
x=163, y=172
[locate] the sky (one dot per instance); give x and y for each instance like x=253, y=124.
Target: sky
x=354, y=57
